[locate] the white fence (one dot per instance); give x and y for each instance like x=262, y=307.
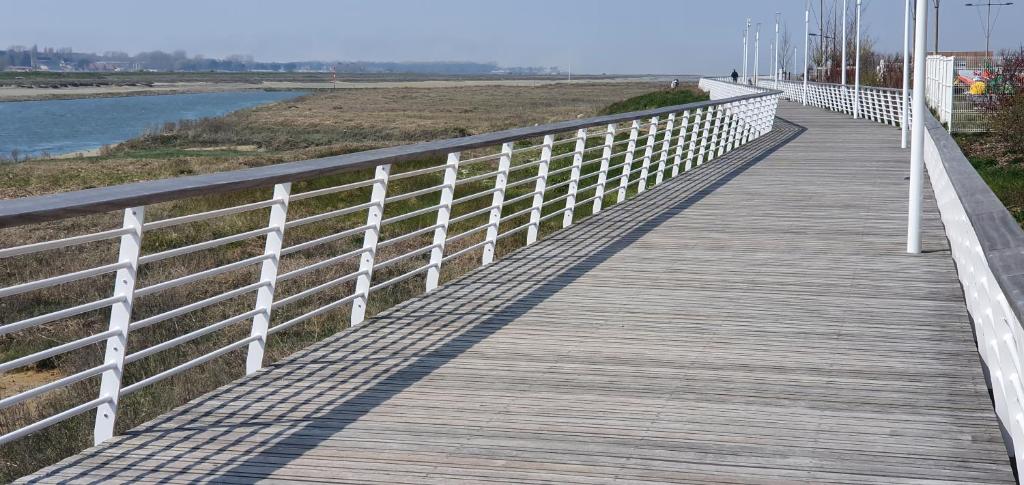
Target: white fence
x=326, y=235
x=940, y=73
x=949, y=91
x=883, y=105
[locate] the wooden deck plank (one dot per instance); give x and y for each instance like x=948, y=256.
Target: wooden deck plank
x=754, y=321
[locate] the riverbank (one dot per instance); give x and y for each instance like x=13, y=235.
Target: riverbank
x=34, y=93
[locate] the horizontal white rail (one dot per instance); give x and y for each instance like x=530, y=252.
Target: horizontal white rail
x=310, y=257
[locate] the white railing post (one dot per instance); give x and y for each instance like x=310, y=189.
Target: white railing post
x=666, y=146
x=497, y=200
x=370, y=237
x=680, y=141
x=627, y=164
x=707, y=134
x=737, y=118
x=268, y=278
x=744, y=134
x=602, y=175
x=574, y=177
x=648, y=153
x=694, y=133
x=451, y=172
x=538, y=191
x=718, y=138
x=120, y=317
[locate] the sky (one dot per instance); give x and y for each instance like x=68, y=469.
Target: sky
x=590, y=36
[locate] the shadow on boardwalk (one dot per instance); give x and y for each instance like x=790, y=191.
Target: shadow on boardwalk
x=253, y=428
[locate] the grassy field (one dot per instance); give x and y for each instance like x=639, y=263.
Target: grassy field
x=317, y=125
x=1001, y=166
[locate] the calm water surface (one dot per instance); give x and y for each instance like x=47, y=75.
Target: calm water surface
x=62, y=126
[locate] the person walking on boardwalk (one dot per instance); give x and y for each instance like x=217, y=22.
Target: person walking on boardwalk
x=735, y=75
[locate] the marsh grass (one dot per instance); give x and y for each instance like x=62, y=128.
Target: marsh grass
x=59, y=441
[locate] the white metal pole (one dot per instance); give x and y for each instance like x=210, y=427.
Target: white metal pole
x=451, y=173
x=757, y=53
x=574, y=178
x=917, y=134
x=268, y=276
x=844, y=43
x=120, y=318
x=807, y=39
x=374, y=214
x=856, y=70
x=497, y=201
x=533, y=231
x=905, y=112
x=775, y=65
x=746, y=50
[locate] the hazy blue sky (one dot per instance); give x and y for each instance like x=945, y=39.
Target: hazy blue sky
x=595, y=36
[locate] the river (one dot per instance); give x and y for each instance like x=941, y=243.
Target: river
x=55, y=127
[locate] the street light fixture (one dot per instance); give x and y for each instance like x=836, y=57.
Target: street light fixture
x=988, y=25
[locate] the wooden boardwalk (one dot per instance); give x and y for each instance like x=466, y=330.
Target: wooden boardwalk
x=754, y=321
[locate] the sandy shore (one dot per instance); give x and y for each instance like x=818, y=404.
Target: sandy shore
x=12, y=93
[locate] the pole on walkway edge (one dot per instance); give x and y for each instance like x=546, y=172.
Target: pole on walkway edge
x=845, y=9
x=807, y=37
x=905, y=115
x=917, y=131
x=856, y=70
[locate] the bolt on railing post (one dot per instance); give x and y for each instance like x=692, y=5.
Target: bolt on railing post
x=627, y=164
x=680, y=141
x=268, y=278
x=602, y=175
x=666, y=146
x=574, y=177
x=120, y=317
x=444, y=212
x=374, y=215
x=538, y=191
x=497, y=201
x=645, y=168
x=694, y=134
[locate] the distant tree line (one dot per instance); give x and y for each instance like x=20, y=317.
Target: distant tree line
x=64, y=59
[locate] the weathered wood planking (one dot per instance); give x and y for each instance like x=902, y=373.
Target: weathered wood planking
x=754, y=321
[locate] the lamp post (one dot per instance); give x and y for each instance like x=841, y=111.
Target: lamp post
x=905, y=115
x=775, y=65
x=757, y=52
x=856, y=70
x=807, y=40
x=917, y=131
x=821, y=40
x=746, y=49
x=988, y=25
x=844, y=43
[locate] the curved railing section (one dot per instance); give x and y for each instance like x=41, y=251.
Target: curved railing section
x=884, y=105
x=988, y=247
x=147, y=273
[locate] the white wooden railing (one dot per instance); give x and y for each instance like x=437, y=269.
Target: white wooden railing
x=493, y=187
